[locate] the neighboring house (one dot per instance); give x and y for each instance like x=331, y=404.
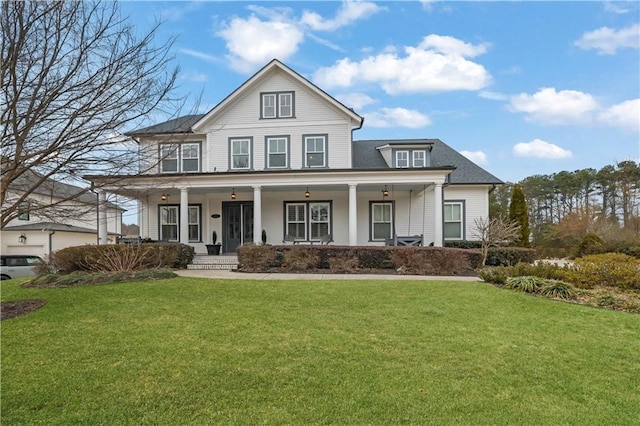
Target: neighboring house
x=54, y=216
x=278, y=155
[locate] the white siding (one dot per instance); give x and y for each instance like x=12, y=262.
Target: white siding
x=476, y=205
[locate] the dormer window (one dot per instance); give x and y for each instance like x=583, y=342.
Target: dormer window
x=419, y=158
x=402, y=159
x=277, y=105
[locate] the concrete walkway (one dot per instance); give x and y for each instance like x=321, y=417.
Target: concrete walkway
x=221, y=274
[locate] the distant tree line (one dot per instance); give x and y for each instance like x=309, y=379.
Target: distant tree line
x=565, y=206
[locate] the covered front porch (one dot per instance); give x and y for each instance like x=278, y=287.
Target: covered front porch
x=353, y=208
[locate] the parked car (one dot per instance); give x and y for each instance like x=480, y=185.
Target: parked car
x=17, y=266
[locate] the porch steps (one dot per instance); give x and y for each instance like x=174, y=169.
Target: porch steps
x=225, y=262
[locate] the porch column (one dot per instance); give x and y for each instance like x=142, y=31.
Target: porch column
x=102, y=218
x=437, y=216
x=257, y=214
x=184, y=215
x=353, y=215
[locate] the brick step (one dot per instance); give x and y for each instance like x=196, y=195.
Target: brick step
x=214, y=262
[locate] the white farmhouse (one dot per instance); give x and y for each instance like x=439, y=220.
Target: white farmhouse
x=278, y=155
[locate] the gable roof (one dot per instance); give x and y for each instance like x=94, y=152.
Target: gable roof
x=275, y=66
x=177, y=125
x=367, y=156
x=55, y=188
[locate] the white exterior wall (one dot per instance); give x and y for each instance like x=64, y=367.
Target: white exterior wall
x=476, y=204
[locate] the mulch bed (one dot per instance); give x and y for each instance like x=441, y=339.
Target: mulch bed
x=20, y=307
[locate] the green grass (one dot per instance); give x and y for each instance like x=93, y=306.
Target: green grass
x=199, y=351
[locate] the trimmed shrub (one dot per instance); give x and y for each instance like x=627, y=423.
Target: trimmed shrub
x=463, y=244
x=122, y=257
x=343, y=264
x=301, y=259
x=254, y=258
x=608, y=269
x=507, y=256
x=435, y=261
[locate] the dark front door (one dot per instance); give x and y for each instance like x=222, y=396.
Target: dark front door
x=237, y=224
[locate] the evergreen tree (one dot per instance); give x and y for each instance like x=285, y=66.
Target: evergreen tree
x=518, y=214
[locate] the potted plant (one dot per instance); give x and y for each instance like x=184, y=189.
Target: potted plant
x=215, y=246
x=264, y=237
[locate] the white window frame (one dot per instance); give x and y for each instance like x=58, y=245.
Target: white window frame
x=314, y=235
x=297, y=220
x=309, y=220
x=194, y=224
x=240, y=154
x=374, y=222
x=415, y=155
x=322, y=153
x=176, y=153
x=164, y=222
x=175, y=209
x=23, y=211
x=277, y=105
x=405, y=159
x=449, y=219
x=285, y=152
x=284, y=103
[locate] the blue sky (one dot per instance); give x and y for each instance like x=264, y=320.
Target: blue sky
x=521, y=88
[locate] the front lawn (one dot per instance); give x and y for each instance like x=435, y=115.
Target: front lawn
x=200, y=351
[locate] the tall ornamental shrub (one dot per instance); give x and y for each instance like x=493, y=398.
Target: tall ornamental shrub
x=518, y=214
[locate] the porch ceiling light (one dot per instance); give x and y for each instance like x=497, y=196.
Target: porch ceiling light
x=307, y=194
x=385, y=191
x=233, y=193
x=164, y=197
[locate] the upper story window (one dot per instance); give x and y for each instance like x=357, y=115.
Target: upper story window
x=277, y=152
x=277, y=105
x=402, y=159
x=419, y=158
x=23, y=211
x=315, y=151
x=410, y=158
x=240, y=153
x=180, y=157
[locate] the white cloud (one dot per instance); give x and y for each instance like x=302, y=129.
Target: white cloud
x=551, y=107
x=477, y=157
x=618, y=7
x=199, y=55
x=355, y=100
x=198, y=77
x=437, y=64
x=494, y=96
x=607, y=40
x=625, y=115
x=349, y=12
x=252, y=42
x=540, y=149
x=397, y=117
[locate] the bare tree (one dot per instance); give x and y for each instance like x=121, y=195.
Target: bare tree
x=494, y=232
x=73, y=74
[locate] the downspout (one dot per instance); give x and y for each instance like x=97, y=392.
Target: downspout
x=51, y=242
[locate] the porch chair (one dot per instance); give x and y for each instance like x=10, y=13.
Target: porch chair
x=326, y=239
x=289, y=239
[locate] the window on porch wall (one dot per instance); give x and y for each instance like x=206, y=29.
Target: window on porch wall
x=381, y=221
x=312, y=219
x=453, y=220
x=297, y=221
x=170, y=223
